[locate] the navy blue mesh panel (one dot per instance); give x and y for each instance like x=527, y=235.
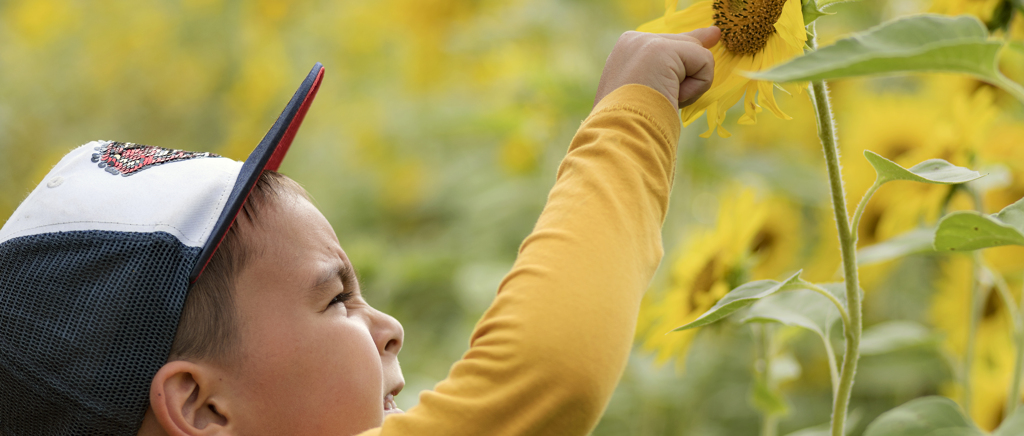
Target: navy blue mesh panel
x=86, y=320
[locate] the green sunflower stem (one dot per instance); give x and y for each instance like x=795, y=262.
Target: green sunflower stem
x=860, y=207
x=976, y=304
x=769, y=421
x=972, y=329
x=848, y=247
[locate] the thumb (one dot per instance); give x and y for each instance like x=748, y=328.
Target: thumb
x=708, y=36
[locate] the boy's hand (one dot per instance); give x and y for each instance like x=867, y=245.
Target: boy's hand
x=676, y=65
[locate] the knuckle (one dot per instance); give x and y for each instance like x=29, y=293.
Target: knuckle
x=630, y=36
x=655, y=44
x=708, y=56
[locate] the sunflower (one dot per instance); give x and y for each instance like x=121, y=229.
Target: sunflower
x=752, y=238
x=756, y=35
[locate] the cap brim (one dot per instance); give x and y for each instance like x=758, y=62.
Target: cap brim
x=267, y=156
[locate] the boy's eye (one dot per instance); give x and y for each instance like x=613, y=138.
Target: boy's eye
x=340, y=298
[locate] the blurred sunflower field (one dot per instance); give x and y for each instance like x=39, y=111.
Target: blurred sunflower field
x=436, y=134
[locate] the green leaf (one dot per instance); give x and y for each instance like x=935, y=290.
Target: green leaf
x=1012, y=215
x=800, y=308
x=739, y=298
x=1012, y=426
x=926, y=42
x=968, y=230
x=936, y=171
x=890, y=336
x=928, y=416
x=915, y=241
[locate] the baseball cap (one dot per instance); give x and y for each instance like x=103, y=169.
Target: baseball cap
x=95, y=265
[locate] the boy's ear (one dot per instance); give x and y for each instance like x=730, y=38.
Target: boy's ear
x=184, y=401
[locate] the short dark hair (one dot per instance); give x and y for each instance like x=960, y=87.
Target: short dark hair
x=208, y=327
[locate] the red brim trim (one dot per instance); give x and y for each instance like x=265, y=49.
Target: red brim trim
x=286, y=141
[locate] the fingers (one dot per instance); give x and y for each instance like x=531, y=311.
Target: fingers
x=679, y=66
x=707, y=36
x=699, y=65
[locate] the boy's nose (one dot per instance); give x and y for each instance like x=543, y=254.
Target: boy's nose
x=387, y=333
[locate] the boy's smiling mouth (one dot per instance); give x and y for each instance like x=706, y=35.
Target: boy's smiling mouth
x=389, y=405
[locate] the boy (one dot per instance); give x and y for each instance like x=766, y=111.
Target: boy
x=153, y=291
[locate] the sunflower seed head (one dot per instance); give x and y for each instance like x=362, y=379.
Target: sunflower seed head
x=747, y=24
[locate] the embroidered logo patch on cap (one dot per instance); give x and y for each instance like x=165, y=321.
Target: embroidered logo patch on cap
x=127, y=158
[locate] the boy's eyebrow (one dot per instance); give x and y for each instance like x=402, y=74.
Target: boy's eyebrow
x=343, y=272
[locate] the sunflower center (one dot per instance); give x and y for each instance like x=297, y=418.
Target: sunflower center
x=747, y=24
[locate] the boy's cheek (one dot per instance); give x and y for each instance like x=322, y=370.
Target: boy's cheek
x=317, y=376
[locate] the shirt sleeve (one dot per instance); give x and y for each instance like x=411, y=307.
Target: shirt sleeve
x=546, y=356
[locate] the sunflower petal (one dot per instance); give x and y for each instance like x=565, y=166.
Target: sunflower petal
x=712, y=119
x=722, y=132
x=767, y=99
x=750, y=106
x=791, y=24
x=694, y=17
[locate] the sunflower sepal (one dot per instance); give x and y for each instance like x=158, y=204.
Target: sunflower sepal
x=812, y=11
x=970, y=230
x=743, y=296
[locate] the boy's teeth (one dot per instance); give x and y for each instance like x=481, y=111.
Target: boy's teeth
x=389, y=403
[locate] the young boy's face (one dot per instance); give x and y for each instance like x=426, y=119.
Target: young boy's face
x=314, y=357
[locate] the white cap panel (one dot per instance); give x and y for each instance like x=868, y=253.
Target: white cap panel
x=184, y=198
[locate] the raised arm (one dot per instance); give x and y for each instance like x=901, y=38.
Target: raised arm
x=545, y=358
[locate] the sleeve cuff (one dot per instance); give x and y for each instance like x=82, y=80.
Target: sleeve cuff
x=646, y=101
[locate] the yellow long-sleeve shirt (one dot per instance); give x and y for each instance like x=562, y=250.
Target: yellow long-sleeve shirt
x=546, y=356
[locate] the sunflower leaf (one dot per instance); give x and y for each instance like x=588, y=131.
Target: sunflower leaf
x=935, y=171
x=911, y=242
x=739, y=298
x=800, y=308
x=928, y=416
x=925, y=42
x=969, y=230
